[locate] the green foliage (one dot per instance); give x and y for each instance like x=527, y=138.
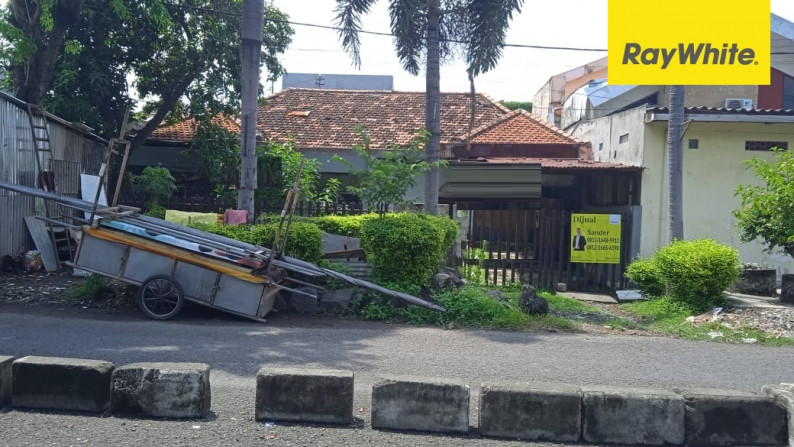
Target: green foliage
x=155, y=210
x=154, y=183
x=406, y=248
x=176, y=51
x=514, y=105
x=767, y=210
x=343, y=225
x=94, y=287
x=475, y=273
x=697, y=272
x=387, y=179
x=644, y=272
x=217, y=151
x=305, y=239
x=291, y=157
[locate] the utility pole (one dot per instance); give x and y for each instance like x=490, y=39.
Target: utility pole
x=250, y=49
x=675, y=157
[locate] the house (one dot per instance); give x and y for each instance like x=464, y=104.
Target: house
x=725, y=126
x=512, y=179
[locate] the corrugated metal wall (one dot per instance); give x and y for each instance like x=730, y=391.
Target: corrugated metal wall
x=73, y=152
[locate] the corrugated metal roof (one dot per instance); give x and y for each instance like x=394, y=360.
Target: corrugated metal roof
x=724, y=111
x=560, y=163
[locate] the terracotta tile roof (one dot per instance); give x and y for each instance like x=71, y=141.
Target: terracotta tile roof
x=327, y=119
x=184, y=130
x=561, y=163
x=521, y=127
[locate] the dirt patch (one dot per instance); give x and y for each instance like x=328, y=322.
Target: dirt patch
x=53, y=289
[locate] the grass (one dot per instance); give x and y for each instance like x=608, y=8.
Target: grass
x=669, y=317
x=469, y=307
x=93, y=287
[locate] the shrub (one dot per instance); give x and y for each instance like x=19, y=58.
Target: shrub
x=305, y=239
x=93, y=287
x=697, y=272
x=155, y=210
x=644, y=272
x=342, y=225
x=406, y=248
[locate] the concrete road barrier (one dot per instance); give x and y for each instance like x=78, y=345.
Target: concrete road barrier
x=5, y=379
x=61, y=383
x=420, y=405
x=723, y=417
x=632, y=416
x=168, y=390
x=783, y=394
x=534, y=412
x=300, y=395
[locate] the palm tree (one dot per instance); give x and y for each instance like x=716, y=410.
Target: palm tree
x=250, y=48
x=675, y=156
x=432, y=28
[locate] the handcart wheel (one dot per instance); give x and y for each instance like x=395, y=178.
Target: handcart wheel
x=160, y=297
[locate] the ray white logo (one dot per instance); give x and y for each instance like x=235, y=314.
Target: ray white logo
x=688, y=54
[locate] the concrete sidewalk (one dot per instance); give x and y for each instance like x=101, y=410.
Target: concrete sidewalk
x=591, y=297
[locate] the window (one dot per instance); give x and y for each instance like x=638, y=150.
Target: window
x=600, y=147
x=623, y=138
x=694, y=143
x=788, y=93
x=765, y=145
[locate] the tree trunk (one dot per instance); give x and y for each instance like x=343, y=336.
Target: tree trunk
x=32, y=81
x=675, y=156
x=433, y=106
x=251, y=47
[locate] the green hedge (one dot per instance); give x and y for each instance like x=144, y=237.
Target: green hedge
x=694, y=272
x=305, y=239
x=343, y=225
x=406, y=248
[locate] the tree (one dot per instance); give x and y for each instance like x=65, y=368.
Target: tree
x=515, y=105
x=182, y=57
x=387, y=179
x=675, y=158
x=767, y=210
x=432, y=28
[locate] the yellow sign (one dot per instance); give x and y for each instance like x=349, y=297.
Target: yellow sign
x=595, y=238
x=686, y=42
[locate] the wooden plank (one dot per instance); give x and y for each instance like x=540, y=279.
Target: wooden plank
x=41, y=237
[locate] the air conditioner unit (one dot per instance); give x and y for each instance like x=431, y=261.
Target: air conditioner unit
x=738, y=103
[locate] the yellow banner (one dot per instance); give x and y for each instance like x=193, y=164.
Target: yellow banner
x=595, y=238
x=701, y=42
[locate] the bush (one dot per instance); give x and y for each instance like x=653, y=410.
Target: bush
x=644, y=272
x=697, y=272
x=343, y=225
x=305, y=239
x=155, y=210
x=93, y=287
x=406, y=248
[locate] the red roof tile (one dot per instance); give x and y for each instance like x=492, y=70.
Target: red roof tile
x=327, y=119
x=184, y=130
x=521, y=127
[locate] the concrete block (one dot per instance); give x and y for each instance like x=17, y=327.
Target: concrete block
x=5, y=379
x=421, y=405
x=632, y=416
x=61, y=383
x=534, y=412
x=299, y=395
x=783, y=394
x=168, y=390
x=721, y=417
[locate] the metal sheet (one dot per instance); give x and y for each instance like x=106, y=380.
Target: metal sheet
x=100, y=255
x=143, y=264
x=197, y=282
x=41, y=237
x=238, y=295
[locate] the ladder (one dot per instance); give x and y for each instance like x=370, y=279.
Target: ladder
x=41, y=145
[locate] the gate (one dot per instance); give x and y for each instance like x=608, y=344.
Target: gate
x=534, y=246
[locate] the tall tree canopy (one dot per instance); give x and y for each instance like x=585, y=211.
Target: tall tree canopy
x=433, y=29
x=88, y=60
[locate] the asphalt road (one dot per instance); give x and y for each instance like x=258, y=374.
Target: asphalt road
x=236, y=349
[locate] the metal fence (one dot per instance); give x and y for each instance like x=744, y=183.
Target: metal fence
x=534, y=246
x=74, y=152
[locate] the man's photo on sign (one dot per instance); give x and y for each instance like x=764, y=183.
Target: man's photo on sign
x=579, y=241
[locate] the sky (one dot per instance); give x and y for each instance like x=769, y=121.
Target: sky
x=521, y=71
